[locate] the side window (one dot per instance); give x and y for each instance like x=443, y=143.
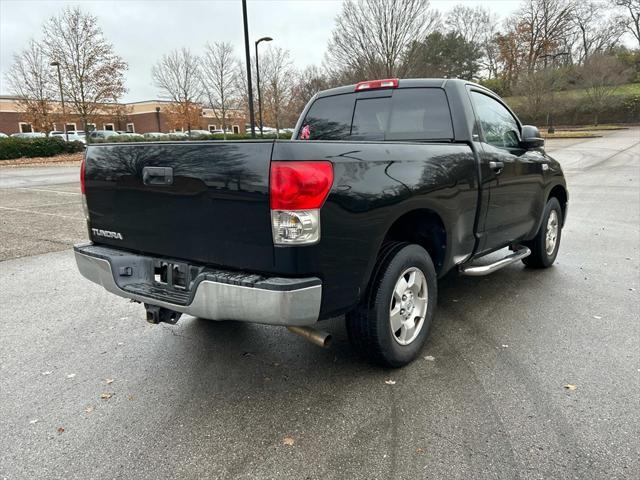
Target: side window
x=329, y=118
x=498, y=125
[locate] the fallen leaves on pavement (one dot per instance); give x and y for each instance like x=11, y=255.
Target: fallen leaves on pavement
x=288, y=441
x=106, y=396
x=570, y=386
x=390, y=382
x=60, y=430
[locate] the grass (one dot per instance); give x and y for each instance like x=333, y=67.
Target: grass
x=596, y=127
x=569, y=134
x=579, y=93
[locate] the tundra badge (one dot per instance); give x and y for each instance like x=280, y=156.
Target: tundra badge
x=106, y=234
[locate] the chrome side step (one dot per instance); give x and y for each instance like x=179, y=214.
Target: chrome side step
x=480, y=270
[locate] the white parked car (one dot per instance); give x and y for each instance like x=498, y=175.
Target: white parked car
x=72, y=135
x=157, y=135
x=178, y=134
x=28, y=135
x=198, y=133
x=103, y=134
x=131, y=134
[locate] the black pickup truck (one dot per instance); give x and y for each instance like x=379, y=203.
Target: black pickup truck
x=386, y=186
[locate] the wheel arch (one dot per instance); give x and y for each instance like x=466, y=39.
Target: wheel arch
x=424, y=227
x=559, y=192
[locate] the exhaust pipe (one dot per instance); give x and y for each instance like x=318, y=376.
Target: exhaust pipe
x=317, y=337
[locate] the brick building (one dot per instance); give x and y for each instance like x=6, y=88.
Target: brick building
x=139, y=117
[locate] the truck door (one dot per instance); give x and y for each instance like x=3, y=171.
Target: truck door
x=512, y=174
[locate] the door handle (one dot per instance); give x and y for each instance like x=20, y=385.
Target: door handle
x=496, y=166
x=157, y=175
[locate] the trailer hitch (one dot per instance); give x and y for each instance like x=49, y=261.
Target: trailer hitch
x=156, y=314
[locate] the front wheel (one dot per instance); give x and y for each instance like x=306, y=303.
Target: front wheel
x=391, y=325
x=545, y=245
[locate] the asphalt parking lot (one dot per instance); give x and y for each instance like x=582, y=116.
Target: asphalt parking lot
x=88, y=389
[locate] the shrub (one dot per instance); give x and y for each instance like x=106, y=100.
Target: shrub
x=182, y=138
x=496, y=85
x=12, y=147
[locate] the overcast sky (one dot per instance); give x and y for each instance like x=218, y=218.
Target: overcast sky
x=142, y=31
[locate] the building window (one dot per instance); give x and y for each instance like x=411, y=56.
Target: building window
x=212, y=128
x=109, y=126
x=91, y=127
x=71, y=127
x=131, y=128
x=236, y=129
x=25, y=127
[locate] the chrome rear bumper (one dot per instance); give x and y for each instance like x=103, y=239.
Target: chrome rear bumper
x=215, y=294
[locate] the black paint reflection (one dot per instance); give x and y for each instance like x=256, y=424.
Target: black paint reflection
x=215, y=212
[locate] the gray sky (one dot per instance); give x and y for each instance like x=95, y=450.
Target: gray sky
x=143, y=30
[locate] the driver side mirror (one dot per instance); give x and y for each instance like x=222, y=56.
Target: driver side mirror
x=531, y=137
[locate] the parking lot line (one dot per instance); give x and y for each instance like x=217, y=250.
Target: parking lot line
x=46, y=190
x=21, y=210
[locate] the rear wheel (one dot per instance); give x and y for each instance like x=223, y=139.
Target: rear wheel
x=544, y=247
x=391, y=325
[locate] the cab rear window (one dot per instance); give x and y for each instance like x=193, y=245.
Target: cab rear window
x=399, y=114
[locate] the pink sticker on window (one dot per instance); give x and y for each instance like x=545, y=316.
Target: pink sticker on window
x=305, y=133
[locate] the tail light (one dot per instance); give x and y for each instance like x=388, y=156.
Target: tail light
x=85, y=208
x=297, y=192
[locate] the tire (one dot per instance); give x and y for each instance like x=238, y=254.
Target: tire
x=545, y=245
x=370, y=325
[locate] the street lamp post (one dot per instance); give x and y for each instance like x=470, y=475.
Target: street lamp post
x=158, y=119
x=248, y=58
x=263, y=39
x=64, y=114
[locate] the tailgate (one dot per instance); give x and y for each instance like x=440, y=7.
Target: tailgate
x=205, y=202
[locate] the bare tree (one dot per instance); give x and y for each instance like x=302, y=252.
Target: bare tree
x=279, y=75
x=542, y=26
x=538, y=93
x=371, y=38
x=119, y=112
x=479, y=26
x=242, y=86
x=632, y=8
x=600, y=76
x=469, y=22
x=596, y=33
x=309, y=82
x=92, y=74
x=31, y=79
x=178, y=76
x=220, y=80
